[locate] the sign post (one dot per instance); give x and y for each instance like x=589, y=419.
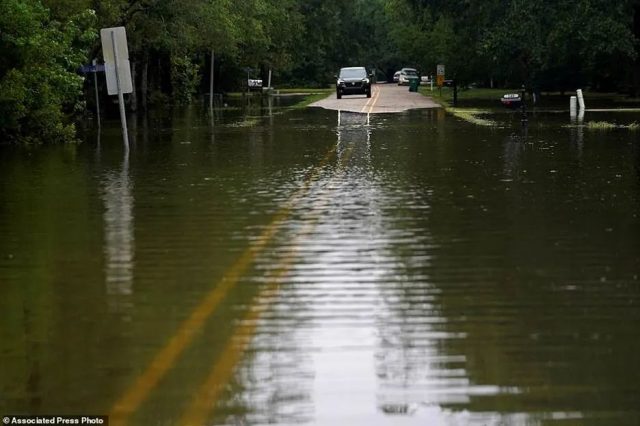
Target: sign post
x=95, y=86
x=440, y=77
x=117, y=70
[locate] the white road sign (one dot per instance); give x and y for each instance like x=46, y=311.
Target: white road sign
x=440, y=70
x=114, y=46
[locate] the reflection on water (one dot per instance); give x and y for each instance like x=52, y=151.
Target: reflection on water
x=577, y=132
x=514, y=147
x=119, y=237
x=354, y=334
x=418, y=270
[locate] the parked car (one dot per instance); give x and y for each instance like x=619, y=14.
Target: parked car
x=511, y=100
x=396, y=76
x=406, y=75
x=425, y=79
x=353, y=81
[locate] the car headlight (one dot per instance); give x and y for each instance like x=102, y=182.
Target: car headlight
x=340, y=83
x=365, y=80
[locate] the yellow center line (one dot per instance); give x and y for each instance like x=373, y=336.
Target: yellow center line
x=138, y=391
x=375, y=100
x=208, y=393
x=219, y=376
x=376, y=90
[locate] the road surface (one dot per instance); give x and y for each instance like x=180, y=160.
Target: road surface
x=385, y=98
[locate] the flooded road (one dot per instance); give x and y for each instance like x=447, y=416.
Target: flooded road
x=385, y=98
x=290, y=268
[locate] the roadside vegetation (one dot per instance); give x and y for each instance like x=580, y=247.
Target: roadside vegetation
x=546, y=45
x=605, y=125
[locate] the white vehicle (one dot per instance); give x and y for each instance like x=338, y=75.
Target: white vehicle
x=406, y=75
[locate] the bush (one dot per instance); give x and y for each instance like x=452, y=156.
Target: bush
x=38, y=83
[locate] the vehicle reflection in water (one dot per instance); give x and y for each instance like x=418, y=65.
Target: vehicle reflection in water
x=119, y=237
x=354, y=334
x=427, y=271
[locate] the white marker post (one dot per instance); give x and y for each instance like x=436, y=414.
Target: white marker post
x=117, y=70
x=580, y=99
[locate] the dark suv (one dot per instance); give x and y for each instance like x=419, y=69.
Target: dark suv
x=353, y=80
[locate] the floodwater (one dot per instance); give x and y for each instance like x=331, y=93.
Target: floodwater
x=400, y=269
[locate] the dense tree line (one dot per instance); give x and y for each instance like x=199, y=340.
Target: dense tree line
x=545, y=44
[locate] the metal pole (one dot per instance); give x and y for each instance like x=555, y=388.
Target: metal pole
x=269, y=82
x=123, y=117
x=95, y=85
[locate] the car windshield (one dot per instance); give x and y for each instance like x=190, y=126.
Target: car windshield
x=353, y=73
x=410, y=72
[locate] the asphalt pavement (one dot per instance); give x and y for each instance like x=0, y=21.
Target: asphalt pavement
x=385, y=98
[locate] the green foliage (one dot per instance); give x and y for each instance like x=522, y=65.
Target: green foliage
x=38, y=83
x=605, y=125
x=552, y=44
x=184, y=79
x=546, y=44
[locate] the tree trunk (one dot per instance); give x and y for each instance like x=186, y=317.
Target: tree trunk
x=636, y=72
x=211, y=79
x=144, y=80
x=134, y=95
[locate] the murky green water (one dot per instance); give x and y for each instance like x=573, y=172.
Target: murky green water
x=414, y=269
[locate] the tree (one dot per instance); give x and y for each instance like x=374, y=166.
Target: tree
x=38, y=80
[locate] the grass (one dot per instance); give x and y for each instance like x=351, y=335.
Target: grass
x=247, y=122
x=490, y=97
x=317, y=95
x=306, y=90
x=470, y=115
x=601, y=125
x=477, y=101
x=308, y=96
x=476, y=94
x=606, y=125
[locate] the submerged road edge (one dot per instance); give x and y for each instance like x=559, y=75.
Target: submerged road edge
x=390, y=99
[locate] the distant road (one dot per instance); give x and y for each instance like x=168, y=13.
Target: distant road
x=385, y=98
